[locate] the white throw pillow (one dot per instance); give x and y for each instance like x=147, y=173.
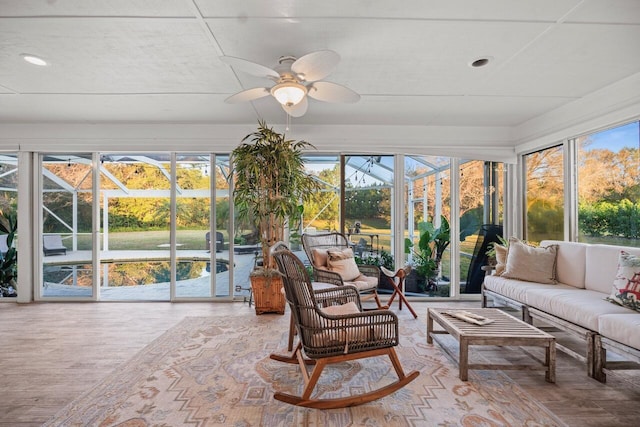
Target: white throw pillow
x=626, y=285
x=343, y=263
x=530, y=263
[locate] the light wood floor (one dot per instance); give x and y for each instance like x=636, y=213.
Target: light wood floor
x=50, y=353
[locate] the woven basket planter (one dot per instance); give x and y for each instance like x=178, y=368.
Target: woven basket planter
x=268, y=294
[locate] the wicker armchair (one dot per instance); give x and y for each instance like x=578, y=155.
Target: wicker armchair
x=333, y=329
x=317, y=246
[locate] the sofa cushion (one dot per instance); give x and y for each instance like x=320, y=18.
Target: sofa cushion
x=311, y=318
x=343, y=263
x=364, y=283
x=623, y=328
x=510, y=288
x=344, y=332
x=340, y=310
x=570, y=263
x=602, y=265
x=626, y=285
x=579, y=306
x=530, y=263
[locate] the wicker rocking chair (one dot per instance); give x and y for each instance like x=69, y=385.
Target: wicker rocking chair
x=333, y=329
x=317, y=248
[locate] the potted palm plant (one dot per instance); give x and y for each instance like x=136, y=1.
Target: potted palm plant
x=428, y=253
x=427, y=256
x=269, y=189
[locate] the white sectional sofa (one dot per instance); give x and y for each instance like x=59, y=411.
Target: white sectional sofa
x=577, y=303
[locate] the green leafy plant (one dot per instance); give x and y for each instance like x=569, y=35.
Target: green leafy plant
x=8, y=260
x=270, y=185
x=384, y=259
x=491, y=247
x=431, y=246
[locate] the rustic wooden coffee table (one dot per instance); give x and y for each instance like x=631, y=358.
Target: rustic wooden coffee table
x=503, y=330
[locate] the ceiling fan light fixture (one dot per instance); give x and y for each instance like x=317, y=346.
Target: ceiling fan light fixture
x=289, y=93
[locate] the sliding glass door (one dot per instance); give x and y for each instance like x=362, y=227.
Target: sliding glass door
x=202, y=227
x=136, y=212
x=158, y=236
x=66, y=224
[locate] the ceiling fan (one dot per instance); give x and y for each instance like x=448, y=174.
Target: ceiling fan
x=294, y=78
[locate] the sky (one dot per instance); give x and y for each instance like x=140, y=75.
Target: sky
x=617, y=138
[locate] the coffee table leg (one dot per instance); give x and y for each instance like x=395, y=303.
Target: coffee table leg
x=463, y=359
x=550, y=359
x=429, y=327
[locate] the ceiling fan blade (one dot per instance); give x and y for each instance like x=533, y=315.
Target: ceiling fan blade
x=315, y=65
x=248, y=95
x=250, y=67
x=332, y=92
x=299, y=109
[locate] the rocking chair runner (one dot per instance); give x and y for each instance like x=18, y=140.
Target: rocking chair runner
x=365, y=278
x=333, y=329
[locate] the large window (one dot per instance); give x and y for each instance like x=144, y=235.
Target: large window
x=67, y=215
x=544, y=195
x=148, y=245
x=427, y=191
x=164, y=227
x=608, y=186
x=367, y=204
x=322, y=212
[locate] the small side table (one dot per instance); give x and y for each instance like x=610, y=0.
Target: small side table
x=398, y=288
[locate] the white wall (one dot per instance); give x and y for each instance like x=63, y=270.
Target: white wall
x=484, y=143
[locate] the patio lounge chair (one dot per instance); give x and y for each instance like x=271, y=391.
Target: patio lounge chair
x=333, y=329
x=319, y=249
x=52, y=245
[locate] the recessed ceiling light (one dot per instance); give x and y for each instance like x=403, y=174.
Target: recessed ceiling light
x=480, y=62
x=33, y=59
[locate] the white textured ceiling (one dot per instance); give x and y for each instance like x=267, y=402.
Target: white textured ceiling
x=158, y=60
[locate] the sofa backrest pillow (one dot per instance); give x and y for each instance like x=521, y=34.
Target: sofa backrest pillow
x=320, y=256
x=570, y=264
x=530, y=263
x=602, y=266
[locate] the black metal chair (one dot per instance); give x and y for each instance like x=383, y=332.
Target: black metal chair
x=333, y=329
x=219, y=241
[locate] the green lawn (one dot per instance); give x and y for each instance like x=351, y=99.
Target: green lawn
x=147, y=240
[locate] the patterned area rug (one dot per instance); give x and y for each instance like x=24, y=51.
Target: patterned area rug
x=216, y=371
